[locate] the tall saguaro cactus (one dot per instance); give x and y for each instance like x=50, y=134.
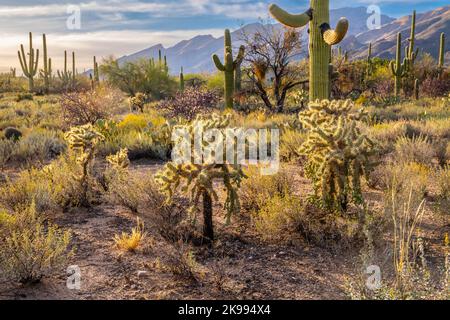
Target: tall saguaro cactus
x=410, y=53
x=398, y=68
x=369, y=61
x=321, y=38
x=47, y=71
x=229, y=67
x=29, y=68
x=442, y=51
x=96, y=74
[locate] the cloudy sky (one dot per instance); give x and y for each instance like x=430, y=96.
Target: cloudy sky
x=120, y=27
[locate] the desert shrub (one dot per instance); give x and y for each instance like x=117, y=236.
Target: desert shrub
x=30, y=247
x=143, y=76
x=29, y=187
x=257, y=189
x=130, y=242
x=442, y=182
x=39, y=146
x=189, y=103
x=6, y=151
x=435, y=87
x=181, y=263
x=290, y=142
x=123, y=188
x=404, y=175
x=412, y=278
x=24, y=96
x=418, y=149
x=12, y=134
x=279, y=216
x=80, y=108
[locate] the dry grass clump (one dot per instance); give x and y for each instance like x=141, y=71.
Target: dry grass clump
x=258, y=189
x=29, y=187
x=417, y=149
x=290, y=142
x=404, y=175
x=131, y=241
x=31, y=248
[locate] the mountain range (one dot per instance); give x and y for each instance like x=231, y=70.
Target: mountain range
x=194, y=55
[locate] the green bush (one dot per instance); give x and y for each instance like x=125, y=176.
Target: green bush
x=31, y=248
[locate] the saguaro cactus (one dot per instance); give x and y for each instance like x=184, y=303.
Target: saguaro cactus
x=66, y=76
x=398, y=68
x=238, y=77
x=29, y=68
x=369, y=61
x=96, y=74
x=229, y=67
x=321, y=38
x=416, y=89
x=442, y=51
x=13, y=72
x=410, y=53
x=181, y=80
x=46, y=73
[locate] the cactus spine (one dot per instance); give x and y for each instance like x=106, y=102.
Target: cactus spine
x=29, y=69
x=398, y=68
x=46, y=73
x=321, y=38
x=229, y=67
x=410, y=53
x=181, y=80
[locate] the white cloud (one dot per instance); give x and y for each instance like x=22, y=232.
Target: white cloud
x=101, y=44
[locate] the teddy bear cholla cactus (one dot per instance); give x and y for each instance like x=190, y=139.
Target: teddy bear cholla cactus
x=197, y=179
x=82, y=142
x=338, y=152
x=137, y=102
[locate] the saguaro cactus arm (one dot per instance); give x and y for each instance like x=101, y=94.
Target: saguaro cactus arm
x=218, y=63
x=291, y=20
x=240, y=56
x=335, y=36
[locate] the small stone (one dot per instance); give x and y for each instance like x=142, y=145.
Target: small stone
x=142, y=274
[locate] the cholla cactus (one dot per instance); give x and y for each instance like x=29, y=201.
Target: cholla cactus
x=337, y=151
x=137, y=102
x=197, y=179
x=119, y=160
x=82, y=142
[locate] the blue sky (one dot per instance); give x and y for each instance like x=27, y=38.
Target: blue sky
x=124, y=26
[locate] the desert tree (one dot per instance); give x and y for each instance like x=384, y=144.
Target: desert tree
x=270, y=54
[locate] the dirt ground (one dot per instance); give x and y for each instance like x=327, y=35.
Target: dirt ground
x=238, y=266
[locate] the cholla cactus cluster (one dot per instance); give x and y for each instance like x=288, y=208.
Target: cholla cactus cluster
x=337, y=150
x=82, y=142
x=119, y=160
x=137, y=102
x=197, y=179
